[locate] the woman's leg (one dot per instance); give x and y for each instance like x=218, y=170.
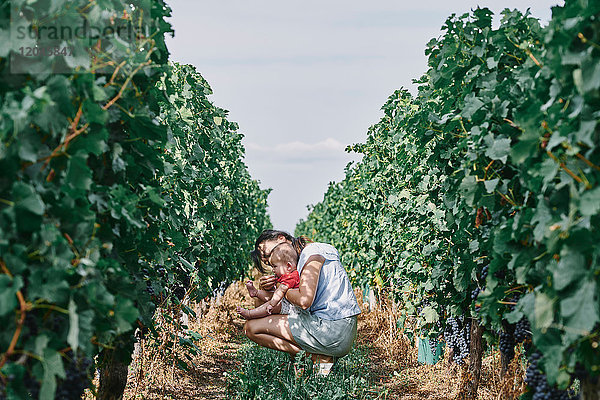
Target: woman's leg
x=272, y=332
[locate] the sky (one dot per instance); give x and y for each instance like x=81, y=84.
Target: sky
x=304, y=79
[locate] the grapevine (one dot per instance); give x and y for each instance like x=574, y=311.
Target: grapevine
x=123, y=187
x=480, y=193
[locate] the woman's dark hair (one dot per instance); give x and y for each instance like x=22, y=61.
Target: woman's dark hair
x=299, y=244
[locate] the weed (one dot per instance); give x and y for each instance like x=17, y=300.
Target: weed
x=270, y=374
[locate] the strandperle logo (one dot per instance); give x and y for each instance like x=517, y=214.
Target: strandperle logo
x=76, y=36
x=123, y=29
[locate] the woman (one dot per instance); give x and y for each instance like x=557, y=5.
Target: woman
x=325, y=321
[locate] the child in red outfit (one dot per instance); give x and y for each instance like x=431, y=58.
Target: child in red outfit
x=284, y=261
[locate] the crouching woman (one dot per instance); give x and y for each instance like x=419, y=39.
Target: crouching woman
x=323, y=318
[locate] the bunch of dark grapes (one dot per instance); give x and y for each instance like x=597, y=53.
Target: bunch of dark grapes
x=522, y=330
x=457, y=338
x=514, y=300
x=482, y=278
x=433, y=342
x=484, y=273
x=77, y=379
x=537, y=382
x=32, y=385
x=179, y=292
x=507, y=342
x=150, y=288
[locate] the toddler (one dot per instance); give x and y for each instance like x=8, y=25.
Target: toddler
x=284, y=261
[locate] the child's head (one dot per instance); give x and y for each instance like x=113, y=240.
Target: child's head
x=284, y=259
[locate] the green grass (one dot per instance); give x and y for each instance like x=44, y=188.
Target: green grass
x=269, y=374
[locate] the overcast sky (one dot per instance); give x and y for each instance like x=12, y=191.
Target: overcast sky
x=306, y=78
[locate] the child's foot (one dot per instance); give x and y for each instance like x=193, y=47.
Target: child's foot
x=243, y=312
x=252, y=291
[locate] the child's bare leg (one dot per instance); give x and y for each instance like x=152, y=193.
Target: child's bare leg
x=258, y=312
x=244, y=312
x=264, y=295
x=252, y=291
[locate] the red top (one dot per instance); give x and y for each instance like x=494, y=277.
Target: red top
x=291, y=280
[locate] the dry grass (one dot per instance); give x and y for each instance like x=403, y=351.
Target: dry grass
x=153, y=373
x=395, y=366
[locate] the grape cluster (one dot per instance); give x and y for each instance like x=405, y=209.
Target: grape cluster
x=514, y=300
x=32, y=385
x=507, y=342
x=537, y=382
x=522, y=330
x=150, y=288
x=182, y=282
x=482, y=278
x=457, y=337
x=484, y=273
x=77, y=371
x=433, y=342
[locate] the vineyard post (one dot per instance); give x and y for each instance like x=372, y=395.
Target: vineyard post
x=473, y=368
x=590, y=389
x=113, y=376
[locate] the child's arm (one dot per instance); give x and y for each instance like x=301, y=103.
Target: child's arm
x=278, y=295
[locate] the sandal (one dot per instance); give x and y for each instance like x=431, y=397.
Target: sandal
x=324, y=368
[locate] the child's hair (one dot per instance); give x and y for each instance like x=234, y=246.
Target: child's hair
x=284, y=252
x=298, y=242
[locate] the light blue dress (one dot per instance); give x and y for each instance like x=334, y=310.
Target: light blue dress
x=328, y=326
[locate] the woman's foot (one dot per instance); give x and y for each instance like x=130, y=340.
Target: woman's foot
x=252, y=291
x=245, y=313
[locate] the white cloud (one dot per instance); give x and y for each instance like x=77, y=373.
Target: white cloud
x=297, y=147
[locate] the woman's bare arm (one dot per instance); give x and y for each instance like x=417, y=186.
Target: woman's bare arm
x=309, y=278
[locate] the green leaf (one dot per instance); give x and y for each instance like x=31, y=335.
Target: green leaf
x=472, y=104
x=26, y=198
x=570, y=268
x=8, y=293
x=155, y=197
x=522, y=150
x=589, y=203
x=125, y=314
x=53, y=367
x=585, y=134
x=73, y=335
x=544, y=311
x=498, y=149
x=590, y=76
x=94, y=113
x=490, y=185
x=580, y=310
x=431, y=316
x=94, y=141
x=79, y=176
